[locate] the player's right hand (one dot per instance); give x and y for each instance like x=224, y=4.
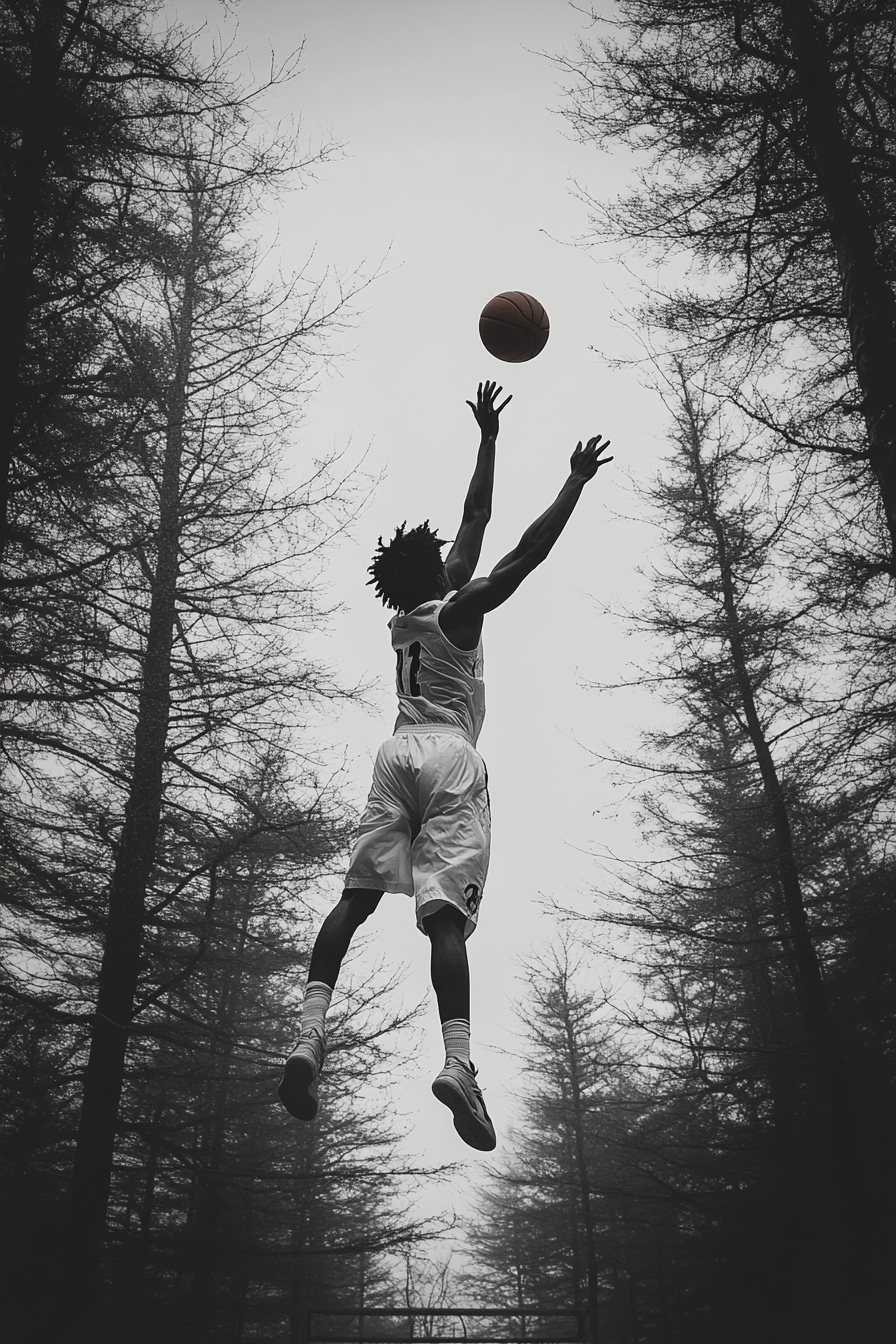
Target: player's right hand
x=485, y=411
x=585, y=461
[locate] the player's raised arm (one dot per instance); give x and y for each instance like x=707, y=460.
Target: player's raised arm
x=462, y=616
x=464, y=554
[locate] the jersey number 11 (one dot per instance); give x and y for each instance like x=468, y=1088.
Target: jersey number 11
x=409, y=669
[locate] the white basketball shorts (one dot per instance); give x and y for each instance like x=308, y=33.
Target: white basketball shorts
x=426, y=828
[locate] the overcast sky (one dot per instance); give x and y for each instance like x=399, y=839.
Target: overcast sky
x=458, y=165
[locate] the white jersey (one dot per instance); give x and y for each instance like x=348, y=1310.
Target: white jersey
x=438, y=683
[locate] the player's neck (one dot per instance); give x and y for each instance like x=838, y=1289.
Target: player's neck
x=435, y=594
x=412, y=606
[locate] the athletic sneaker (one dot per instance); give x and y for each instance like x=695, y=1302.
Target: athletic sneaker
x=456, y=1088
x=298, y=1086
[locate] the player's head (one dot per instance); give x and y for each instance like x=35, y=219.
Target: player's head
x=409, y=570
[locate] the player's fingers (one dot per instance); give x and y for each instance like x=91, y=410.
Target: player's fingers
x=602, y=461
x=505, y=403
x=472, y=407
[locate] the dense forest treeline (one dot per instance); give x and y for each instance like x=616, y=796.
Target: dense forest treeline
x=712, y=1158
x=709, y=1158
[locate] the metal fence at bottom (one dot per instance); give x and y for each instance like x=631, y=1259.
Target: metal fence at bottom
x=370, y=1325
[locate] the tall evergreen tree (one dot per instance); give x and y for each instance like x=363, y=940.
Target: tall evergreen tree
x=85, y=90
x=768, y=128
x=556, y=1188
x=196, y=336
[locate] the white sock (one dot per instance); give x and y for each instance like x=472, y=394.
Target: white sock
x=314, y=1009
x=456, y=1035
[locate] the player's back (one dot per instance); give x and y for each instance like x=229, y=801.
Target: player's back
x=437, y=682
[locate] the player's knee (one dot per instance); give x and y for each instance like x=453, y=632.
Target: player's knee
x=446, y=921
x=361, y=903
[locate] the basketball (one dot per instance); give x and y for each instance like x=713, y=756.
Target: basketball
x=514, y=327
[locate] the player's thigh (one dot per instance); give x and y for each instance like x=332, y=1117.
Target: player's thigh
x=381, y=855
x=454, y=845
x=451, y=853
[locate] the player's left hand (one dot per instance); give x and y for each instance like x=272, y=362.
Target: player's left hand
x=485, y=410
x=585, y=461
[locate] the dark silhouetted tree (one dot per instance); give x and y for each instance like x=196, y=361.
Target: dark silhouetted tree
x=768, y=130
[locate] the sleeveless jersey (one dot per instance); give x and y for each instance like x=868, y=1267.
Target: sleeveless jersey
x=438, y=683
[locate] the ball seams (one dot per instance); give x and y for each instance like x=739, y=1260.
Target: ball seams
x=514, y=327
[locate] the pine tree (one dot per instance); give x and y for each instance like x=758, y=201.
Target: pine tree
x=768, y=130
x=556, y=1189
x=86, y=90
x=201, y=473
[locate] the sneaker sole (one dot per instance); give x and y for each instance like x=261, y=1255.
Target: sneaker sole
x=298, y=1088
x=473, y=1132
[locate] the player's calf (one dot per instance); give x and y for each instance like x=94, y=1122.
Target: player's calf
x=298, y=1087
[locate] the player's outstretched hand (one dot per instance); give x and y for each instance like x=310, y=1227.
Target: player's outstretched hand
x=485, y=410
x=585, y=461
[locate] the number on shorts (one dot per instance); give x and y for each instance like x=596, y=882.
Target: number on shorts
x=409, y=669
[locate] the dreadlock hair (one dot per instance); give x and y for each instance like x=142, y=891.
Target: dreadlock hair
x=411, y=561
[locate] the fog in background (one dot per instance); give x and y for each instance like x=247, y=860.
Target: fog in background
x=457, y=180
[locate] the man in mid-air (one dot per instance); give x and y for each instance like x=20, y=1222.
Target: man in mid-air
x=425, y=829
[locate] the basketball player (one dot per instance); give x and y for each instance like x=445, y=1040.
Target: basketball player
x=425, y=829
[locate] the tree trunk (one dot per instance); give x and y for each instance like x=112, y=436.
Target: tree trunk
x=773, y=1052
x=299, y=1287
x=119, y=971
x=812, y=991
x=583, y=1176
x=576, y=1265
x=208, y=1214
x=28, y=183
x=868, y=301
x=140, y=1326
